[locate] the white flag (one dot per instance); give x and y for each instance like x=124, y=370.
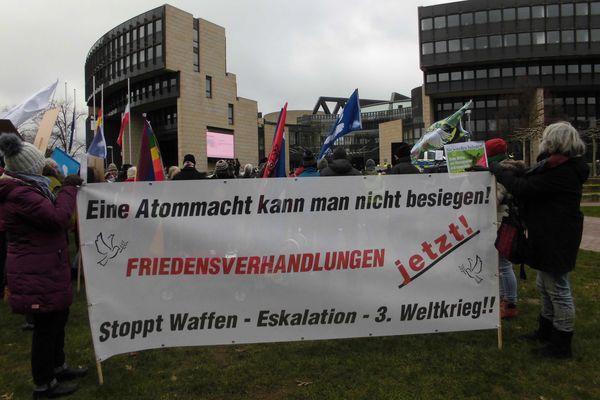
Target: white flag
x=34, y=104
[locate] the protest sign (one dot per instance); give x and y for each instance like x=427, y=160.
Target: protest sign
x=264, y=260
x=463, y=155
x=66, y=164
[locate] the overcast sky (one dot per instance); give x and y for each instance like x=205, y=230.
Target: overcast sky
x=280, y=50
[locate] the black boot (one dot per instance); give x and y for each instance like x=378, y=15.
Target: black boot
x=543, y=333
x=55, y=389
x=66, y=373
x=559, y=346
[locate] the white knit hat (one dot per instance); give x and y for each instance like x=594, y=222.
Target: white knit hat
x=19, y=156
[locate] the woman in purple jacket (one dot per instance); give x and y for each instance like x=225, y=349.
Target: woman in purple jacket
x=38, y=272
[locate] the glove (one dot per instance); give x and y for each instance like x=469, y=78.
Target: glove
x=476, y=168
x=72, y=180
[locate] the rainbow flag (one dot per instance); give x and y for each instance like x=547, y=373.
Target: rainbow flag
x=150, y=166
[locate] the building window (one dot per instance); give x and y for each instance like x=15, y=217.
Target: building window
x=595, y=35
x=431, y=78
x=127, y=62
x=467, y=43
x=443, y=77
x=158, y=51
x=546, y=69
x=494, y=73
x=439, y=22
x=491, y=103
x=455, y=76
x=158, y=25
x=468, y=75
x=427, y=48
x=573, y=68
x=495, y=41
x=510, y=40
x=481, y=17
x=507, y=72
x=453, y=20
x=538, y=37
x=208, y=86
x=230, y=114
x=595, y=8
x=552, y=11
x=508, y=14
x=553, y=37
x=426, y=24
x=454, y=45
x=523, y=13
x=196, y=60
x=582, y=35
x=567, y=36
x=440, y=47
x=533, y=70
x=586, y=68
x=537, y=12
x=142, y=31
x=149, y=29
x=581, y=9
x=142, y=56
x=520, y=71
x=467, y=19
x=134, y=59
x=495, y=15
x=524, y=39
x=560, y=69
x=481, y=42
x=566, y=10
x=481, y=73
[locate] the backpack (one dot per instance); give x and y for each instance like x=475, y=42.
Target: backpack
x=511, y=241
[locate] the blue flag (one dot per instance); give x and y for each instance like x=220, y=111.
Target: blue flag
x=348, y=121
x=98, y=146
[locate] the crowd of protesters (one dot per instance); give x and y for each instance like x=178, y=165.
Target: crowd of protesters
x=37, y=205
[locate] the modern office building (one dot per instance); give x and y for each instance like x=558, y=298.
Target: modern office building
x=383, y=124
x=176, y=67
x=523, y=62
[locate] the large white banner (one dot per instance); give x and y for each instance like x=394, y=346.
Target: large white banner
x=189, y=263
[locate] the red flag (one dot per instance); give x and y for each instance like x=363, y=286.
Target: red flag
x=124, y=121
x=277, y=143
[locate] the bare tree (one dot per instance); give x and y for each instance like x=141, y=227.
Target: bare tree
x=62, y=131
x=593, y=133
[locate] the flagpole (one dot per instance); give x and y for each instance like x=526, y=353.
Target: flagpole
x=74, y=119
x=129, y=123
x=102, y=108
x=94, y=112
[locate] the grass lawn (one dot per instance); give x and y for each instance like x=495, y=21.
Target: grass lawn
x=591, y=211
x=466, y=365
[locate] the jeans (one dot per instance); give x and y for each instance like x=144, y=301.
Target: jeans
x=508, y=281
x=557, y=300
x=47, y=345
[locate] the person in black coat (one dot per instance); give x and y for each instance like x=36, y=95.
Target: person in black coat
x=189, y=171
x=340, y=165
x=403, y=164
x=549, y=195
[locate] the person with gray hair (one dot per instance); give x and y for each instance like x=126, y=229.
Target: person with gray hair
x=549, y=195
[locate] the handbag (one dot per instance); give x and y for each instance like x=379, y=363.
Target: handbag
x=511, y=241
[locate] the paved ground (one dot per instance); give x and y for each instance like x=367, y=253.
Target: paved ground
x=591, y=234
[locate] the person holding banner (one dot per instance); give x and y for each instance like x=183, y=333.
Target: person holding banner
x=38, y=272
x=549, y=195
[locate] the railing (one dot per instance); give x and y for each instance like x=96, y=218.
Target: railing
x=398, y=113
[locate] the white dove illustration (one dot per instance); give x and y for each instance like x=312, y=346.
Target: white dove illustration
x=474, y=269
x=107, y=250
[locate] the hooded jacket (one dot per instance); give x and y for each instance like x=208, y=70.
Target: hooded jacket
x=549, y=195
x=38, y=272
x=339, y=166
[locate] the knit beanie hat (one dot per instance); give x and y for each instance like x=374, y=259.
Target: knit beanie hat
x=495, y=149
x=308, y=159
x=131, y=172
x=403, y=150
x=190, y=158
x=19, y=156
x=222, y=165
